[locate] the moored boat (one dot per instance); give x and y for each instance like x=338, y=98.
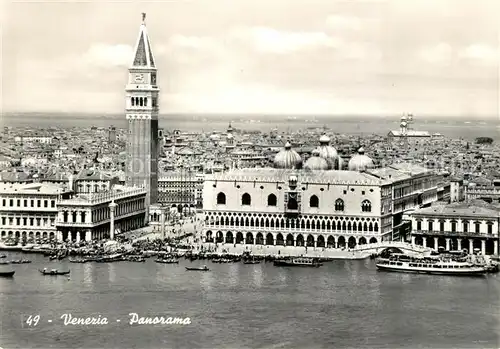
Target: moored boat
x=251, y=262
x=203, y=268
x=167, y=261
x=429, y=265
x=7, y=274
x=53, y=272
x=298, y=262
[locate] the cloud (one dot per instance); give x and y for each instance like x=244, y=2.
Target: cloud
x=339, y=22
x=440, y=53
x=105, y=55
x=282, y=42
x=481, y=53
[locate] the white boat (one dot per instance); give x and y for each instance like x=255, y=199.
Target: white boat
x=429, y=265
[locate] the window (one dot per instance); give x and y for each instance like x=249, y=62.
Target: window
x=453, y=226
x=52, y=203
x=339, y=205
x=38, y=203
x=345, y=192
x=25, y=203
x=271, y=200
x=45, y=203
x=466, y=226
x=419, y=225
x=246, y=200
x=221, y=199
x=431, y=226
x=490, y=228
x=314, y=201
x=441, y=226
x=3, y=220
x=366, y=206
x=478, y=227
x=11, y=202
x=32, y=203
x=3, y=203
x=18, y=202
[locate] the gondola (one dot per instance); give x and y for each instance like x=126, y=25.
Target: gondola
x=204, y=268
x=53, y=272
x=7, y=274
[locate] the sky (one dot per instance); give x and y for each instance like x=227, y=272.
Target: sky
x=367, y=57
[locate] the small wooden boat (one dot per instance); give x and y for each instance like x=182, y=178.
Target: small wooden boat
x=167, y=261
x=7, y=274
x=25, y=261
x=204, y=268
x=251, y=262
x=4, y=263
x=53, y=272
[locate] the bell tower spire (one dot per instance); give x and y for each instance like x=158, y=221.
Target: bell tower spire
x=142, y=108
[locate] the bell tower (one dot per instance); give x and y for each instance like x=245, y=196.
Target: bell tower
x=142, y=94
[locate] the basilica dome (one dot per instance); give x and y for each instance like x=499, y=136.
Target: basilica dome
x=315, y=162
x=329, y=153
x=288, y=158
x=360, y=161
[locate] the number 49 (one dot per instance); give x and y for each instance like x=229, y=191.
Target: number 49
x=33, y=320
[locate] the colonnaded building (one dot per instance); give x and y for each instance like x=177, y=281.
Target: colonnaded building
x=314, y=204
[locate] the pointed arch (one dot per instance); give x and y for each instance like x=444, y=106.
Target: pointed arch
x=269, y=239
x=339, y=205
x=314, y=202
x=366, y=206
x=272, y=200
x=320, y=241
x=221, y=198
x=246, y=199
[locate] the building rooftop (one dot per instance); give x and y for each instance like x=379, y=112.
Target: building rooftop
x=34, y=188
x=475, y=208
x=305, y=176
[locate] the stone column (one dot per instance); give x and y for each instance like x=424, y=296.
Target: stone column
x=413, y=239
x=460, y=244
x=162, y=222
x=112, y=207
x=88, y=235
x=78, y=216
x=471, y=246
x=483, y=247
x=495, y=247
x=436, y=247
x=59, y=236
x=77, y=236
x=424, y=241
x=447, y=244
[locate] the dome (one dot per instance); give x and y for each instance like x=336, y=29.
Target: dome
x=315, y=162
x=287, y=158
x=360, y=161
x=329, y=153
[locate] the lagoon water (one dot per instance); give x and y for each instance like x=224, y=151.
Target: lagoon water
x=344, y=304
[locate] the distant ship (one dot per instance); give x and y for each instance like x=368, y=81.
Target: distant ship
x=429, y=265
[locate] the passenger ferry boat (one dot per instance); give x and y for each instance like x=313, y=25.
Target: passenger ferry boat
x=429, y=265
x=298, y=262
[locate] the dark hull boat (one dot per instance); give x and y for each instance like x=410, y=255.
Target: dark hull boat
x=54, y=272
x=298, y=262
x=198, y=268
x=7, y=274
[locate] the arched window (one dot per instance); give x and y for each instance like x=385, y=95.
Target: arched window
x=221, y=199
x=133, y=101
x=145, y=101
x=141, y=101
x=339, y=205
x=366, y=206
x=246, y=200
x=314, y=201
x=271, y=200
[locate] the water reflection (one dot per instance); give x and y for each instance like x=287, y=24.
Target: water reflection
x=206, y=279
x=111, y=272
x=87, y=274
x=234, y=275
x=257, y=276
